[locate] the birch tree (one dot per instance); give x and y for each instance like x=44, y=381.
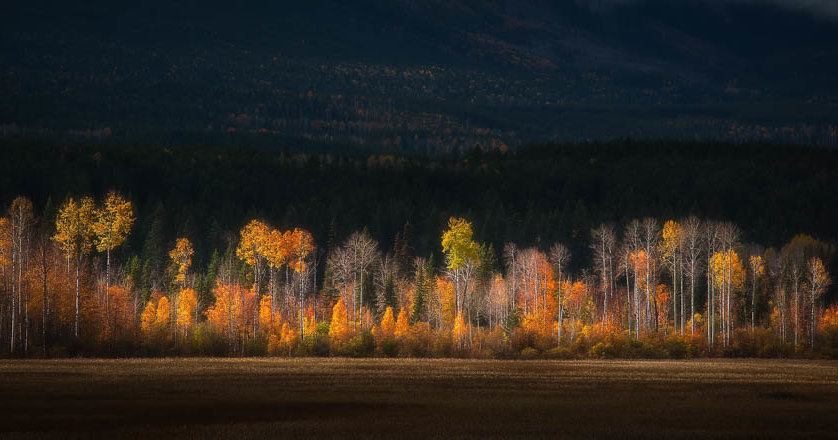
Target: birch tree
x=559, y=258
x=74, y=234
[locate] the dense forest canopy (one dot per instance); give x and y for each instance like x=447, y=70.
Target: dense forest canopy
x=418, y=76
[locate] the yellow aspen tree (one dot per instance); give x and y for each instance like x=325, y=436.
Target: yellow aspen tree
x=181, y=256
x=112, y=225
x=669, y=249
x=277, y=253
x=460, y=251
x=265, y=315
x=187, y=304
x=74, y=235
x=163, y=313
x=301, y=246
x=728, y=276
x=252, y=249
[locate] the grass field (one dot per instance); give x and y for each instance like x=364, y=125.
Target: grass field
x=351, y=398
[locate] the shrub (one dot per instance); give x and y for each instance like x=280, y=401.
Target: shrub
x=389, y=347
x=417, y=343
x=316, y=344
x=256, y=347
x=676, y=347
x=529, y=353
x=361, y=345
x=559, y=353
x=602, y=350
x=442, y=344
x=207, y=342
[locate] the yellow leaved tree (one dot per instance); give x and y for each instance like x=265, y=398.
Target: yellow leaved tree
x=111, y=226
x=74, y=234
x=338, y=328
x=460, y=252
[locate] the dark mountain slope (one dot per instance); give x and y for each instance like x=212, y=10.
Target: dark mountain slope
x=417, y=75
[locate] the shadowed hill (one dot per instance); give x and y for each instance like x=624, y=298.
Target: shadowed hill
x=422, y=76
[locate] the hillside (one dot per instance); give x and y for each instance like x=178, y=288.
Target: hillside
x=424, y=76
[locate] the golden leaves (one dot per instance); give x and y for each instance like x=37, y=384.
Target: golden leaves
x=457, y=243
x=261, y=242
x=339, y=331
x=113, y=222
x=80, y=225
x=74, y=226
x=181, y=256
x=252, y=246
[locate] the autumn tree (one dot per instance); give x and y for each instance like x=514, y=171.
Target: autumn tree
x=277, y=254
x=692, y=259
x=757, y=269
x=796, y=273
x=728, y=276
x=670, y=251
x=339, y=331
x=711, y=241
x=559, y=258
x=777, y=264
x=818, y=279
x=340, y=265
x=301, y=247
x=181, y=256
x=387, y=327
x=252, y=250
x=629, y=250
x=20, y=221
x=650, y=236
x=187, y=306
x=460, y=253
x=603, y=243
x=402, y=325
x=74, y=234
x=186, y=300
x=351, y=262
x=6, y=251
x=111, y=226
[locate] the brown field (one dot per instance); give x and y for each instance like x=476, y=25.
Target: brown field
x=351, y=398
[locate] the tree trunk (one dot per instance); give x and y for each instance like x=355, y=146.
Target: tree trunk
x=78, y=299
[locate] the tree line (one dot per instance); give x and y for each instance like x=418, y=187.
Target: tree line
x=646, y=288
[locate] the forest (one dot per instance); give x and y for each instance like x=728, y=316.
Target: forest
x=101, y=272
x=416, y=77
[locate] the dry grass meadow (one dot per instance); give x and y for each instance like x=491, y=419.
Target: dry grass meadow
x=417, y=398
